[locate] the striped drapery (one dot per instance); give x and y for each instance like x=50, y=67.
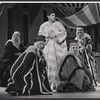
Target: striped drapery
x=2, y=8
x=89, y=15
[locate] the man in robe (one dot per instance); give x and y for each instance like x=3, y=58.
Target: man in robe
x=12, y=50
x=55, y=47
x=73, y=74
x=85, y=45
x=28, y=73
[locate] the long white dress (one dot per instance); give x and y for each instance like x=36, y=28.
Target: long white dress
x=55, y=48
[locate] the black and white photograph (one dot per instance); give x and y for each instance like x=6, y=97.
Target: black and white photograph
x=49, y=50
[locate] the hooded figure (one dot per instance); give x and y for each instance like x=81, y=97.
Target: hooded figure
x=85, y=45
x=73, y=74
x=13, y=48
x=28, y=73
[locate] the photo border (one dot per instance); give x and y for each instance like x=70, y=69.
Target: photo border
x=49, y=1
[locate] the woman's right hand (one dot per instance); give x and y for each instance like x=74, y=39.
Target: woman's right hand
x=51, y=34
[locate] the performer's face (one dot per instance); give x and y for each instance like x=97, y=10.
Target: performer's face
x=80, y=32
x=52, y=17
x=15, y=38
x=74, y=49
x=40, y=45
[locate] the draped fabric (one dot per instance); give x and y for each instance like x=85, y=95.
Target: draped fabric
x=72, y=76
x=28, y=76
x=8, y=59
x=87, y=16
x=87, y=57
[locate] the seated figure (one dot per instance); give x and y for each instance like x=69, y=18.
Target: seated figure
x=73, y=74
x=28, y=73
x=86, y=46
x=12, y=50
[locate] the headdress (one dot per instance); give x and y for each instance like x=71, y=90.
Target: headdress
x=16, y=33
x=73, y=43
x=49, y=12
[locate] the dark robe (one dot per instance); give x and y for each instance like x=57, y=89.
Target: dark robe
x=8, y=59
x=73, y=76
x=88, y=59
x=28, y=76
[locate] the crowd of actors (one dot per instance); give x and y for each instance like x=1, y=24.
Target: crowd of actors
x=48, y=65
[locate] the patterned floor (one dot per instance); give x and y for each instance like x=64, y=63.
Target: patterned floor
x=92, y=94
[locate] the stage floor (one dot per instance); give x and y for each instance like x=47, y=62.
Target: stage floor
x=90, y=94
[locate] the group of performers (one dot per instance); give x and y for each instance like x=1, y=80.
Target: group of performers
x=48, y=65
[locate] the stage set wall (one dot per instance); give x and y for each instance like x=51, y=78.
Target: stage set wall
x=17, y=16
